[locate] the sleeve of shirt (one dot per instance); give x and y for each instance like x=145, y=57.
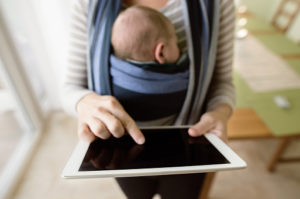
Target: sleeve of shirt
x=222, y=90
x=75, y=74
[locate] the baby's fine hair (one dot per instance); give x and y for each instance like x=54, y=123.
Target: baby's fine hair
x=136, y=31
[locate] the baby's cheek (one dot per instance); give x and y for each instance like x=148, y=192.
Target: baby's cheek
x=176, y=54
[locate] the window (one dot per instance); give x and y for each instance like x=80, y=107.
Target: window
x=21, y=117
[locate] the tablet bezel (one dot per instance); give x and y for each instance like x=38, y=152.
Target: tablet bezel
x=71, y=169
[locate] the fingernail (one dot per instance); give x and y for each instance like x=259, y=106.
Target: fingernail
x=141, y=140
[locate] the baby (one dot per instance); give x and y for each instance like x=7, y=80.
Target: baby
x=144, y=35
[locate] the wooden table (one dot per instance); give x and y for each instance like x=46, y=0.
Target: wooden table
x=246, y=124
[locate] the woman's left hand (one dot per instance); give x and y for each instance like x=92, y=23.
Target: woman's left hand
x=214, y=121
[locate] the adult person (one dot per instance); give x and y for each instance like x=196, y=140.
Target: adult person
x=103, y=116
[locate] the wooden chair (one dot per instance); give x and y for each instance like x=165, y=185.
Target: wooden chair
x=284, y=13
x=278, y=155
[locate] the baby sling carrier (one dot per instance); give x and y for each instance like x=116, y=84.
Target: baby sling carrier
x=201, y=25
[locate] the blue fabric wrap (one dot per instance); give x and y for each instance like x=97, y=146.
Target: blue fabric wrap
x=147, y=94
x=201, y=16
x=106, y=13
x=139, y=80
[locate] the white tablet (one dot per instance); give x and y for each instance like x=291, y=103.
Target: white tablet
x=167, y=150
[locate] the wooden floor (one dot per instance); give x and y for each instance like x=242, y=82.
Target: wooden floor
x=43, y=177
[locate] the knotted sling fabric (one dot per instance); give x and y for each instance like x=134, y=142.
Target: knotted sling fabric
x=147, y=90
x=201, y=21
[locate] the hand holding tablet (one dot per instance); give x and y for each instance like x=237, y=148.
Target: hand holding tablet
x=168, y=150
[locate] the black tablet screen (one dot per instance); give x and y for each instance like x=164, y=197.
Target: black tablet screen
x=163, y=148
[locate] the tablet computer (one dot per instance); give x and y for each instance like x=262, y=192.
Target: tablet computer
x=167, y=150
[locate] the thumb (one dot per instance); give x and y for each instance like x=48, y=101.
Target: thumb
x=200, y=128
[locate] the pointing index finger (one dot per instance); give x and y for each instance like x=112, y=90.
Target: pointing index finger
x=134, y=132
x=128, y=123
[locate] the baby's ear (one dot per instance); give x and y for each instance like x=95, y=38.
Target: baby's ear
x=159, y=53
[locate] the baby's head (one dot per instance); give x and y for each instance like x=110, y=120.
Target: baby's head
x=144, y=34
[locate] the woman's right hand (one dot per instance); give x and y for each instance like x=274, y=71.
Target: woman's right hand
x=103, y=116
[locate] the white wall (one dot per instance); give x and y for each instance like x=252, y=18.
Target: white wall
x=40, y=29
x=53, y=21
x=294, y=31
